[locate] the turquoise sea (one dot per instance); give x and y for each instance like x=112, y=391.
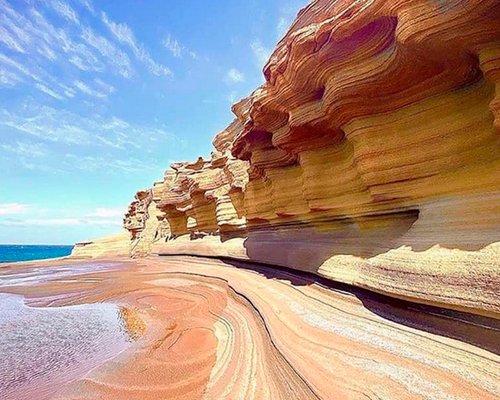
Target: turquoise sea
x=23, y=252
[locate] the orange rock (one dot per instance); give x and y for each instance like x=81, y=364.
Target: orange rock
x=371, y=156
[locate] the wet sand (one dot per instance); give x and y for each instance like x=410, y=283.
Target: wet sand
x=207, y=329
x=43, y=348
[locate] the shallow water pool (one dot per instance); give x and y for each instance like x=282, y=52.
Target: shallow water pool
x=41, y=349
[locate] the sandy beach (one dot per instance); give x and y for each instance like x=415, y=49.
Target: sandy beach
x=203, y=328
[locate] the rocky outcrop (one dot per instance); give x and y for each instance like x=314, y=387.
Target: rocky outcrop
x=144, y=222
x=117, y=245
x=370, y=156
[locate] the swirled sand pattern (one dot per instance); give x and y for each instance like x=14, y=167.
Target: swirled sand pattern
x=207, y=329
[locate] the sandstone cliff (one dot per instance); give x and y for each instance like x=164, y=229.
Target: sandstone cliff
x=117, y=245
x=370, y=156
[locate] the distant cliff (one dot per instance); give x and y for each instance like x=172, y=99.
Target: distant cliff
x=370, y=156
x=117, y=245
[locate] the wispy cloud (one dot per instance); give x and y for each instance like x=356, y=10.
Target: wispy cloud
x=13, y=208
x=88, y=5
x=105, y=164
x=50, y=46
x=260, y=52
x=14, y=215
x=32, y=35
x=62, y=126
x=231, y=97
x=287, y=14
x=114, y=56
x=234, y=76
x=176, y=49
x=11, y=64
x=9, y=40
x=65, y=11
x=31, y=222
x=173, y=46
x=49, y=91
x=125, y=35
x=25, y=149
x=106, y=87
x=84, y=88
x=27, y=154
x=282, y=26
x=80, y=55
x=107, y=212
x=47, y=123
x=8, y=78
x=12, y=70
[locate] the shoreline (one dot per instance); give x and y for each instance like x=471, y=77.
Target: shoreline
x=313, y=276
x=33, y=249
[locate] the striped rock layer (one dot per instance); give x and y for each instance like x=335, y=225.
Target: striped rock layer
x=370, y=156
x=203, y=329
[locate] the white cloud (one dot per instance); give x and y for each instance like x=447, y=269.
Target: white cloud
x=47, y=123
x=59, y=40
x=9, y=63
x=173, y=46
x=125, y=35
x=60, y=222
x=288, y=13
x=51, y=221
x=37, y=41
x=235, y=76
x=231, y=97
x=110, y=165
x=58, y=125
x=10, y=41
x=13, y=208
x=13, y=215
x=260, y=52
x=282, y=27
x=46, y=52
x=105, y=86
x=88, y=5
x=24, y=149
x=28, y=155
x=55, y=90
x=49, y=91
x=8, y=78
x=178, y=50
x=106, y=212
x=114, y=56
x=84, y=88
x=65, y=11
x=69, y=92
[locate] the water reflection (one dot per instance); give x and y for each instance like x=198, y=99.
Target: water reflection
x=44, y=274
x=43, y=348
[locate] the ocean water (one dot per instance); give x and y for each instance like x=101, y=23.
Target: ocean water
x=11, y=253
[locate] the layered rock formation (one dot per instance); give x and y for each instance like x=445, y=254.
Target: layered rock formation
x=117, y=245
x=143, y=221
x=370, y=156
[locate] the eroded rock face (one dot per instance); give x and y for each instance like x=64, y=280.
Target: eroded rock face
x=117, y=245
x=371, y=156
x=144, y=222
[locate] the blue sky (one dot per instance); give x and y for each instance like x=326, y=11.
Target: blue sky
x=97, y=98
